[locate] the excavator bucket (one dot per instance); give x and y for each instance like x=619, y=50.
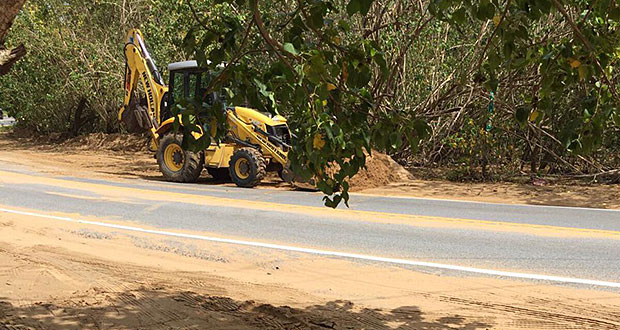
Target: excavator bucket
x=136, y=117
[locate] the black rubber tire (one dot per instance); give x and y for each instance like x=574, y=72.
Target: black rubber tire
x=280, y=175
x=219, y=173
x=192, y=165
x=257, y=167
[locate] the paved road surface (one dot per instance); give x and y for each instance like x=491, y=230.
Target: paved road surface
x=559, y=241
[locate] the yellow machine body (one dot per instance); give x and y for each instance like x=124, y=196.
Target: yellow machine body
x=242, y=123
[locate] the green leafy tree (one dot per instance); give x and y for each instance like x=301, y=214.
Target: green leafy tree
x=484, y=84
x=563, y=52
x=71, y=82
x=306, y=60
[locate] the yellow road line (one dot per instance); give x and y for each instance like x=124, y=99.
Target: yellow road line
x=72, y=195
x=316, y=211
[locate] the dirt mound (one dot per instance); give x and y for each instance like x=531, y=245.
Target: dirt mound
x=93, y=142
x=113, y=142
x=380, y=171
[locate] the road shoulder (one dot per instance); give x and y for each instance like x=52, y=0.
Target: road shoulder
x=73, y=275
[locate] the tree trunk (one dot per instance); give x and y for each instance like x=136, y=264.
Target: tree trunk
x=77, y=119
x=8, y=10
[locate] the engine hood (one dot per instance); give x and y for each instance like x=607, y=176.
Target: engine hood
x=249, y=115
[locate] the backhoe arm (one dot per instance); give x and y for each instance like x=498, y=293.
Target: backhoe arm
x=139, y=66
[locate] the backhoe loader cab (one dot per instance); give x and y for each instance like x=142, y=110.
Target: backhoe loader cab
x=187, y=81
x=255, y=142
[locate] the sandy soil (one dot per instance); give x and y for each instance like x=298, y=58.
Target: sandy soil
x=597, y=196
x=56, y=275
x=120, y=156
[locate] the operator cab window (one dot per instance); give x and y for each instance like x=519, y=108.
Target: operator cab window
x=176, y=93
x=190, y=85
x=198, y=81
x=212, y=97
x=193, y=82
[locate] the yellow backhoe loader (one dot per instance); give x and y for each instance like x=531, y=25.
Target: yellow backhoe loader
x=255, y=143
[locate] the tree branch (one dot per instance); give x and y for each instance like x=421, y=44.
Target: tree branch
x=588, y=45
x=274, y=44
x=8, y=57
x=486, y=47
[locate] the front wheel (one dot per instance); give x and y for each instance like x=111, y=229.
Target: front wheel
x=176, y=164
x=247, y=167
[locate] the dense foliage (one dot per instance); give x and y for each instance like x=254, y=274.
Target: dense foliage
x=313, y=62
x=340, y=71
x=550, y=65
x=487, y=86
x=71, y=80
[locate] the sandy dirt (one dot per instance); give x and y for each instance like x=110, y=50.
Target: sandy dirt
x=56, y=275
x=117, y=156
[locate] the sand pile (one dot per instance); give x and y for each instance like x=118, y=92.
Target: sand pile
x=380, y=171
x=102, y=141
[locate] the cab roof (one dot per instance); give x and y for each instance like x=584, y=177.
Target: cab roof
x=182, y=65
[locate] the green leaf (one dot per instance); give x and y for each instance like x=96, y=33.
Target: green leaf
x=522, y=114
x=422, y=129
x=189, y=42
x=614, y=14
x=353, y=7
x=395, y=140
x=617, y=118
x=380, y=60
x=290, y=48
x=365, y=6
x=332, y=202
x=509, y=47
x=486, y=10
x=459, y=16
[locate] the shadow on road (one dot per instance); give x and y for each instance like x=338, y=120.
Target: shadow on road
x=159, y=309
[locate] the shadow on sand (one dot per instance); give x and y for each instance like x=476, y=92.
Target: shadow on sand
x=160, y=309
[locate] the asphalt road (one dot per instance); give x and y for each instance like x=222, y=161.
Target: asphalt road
x=558, y=241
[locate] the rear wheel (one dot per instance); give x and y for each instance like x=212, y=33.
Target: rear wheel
x=176, y=164
x=247, y=167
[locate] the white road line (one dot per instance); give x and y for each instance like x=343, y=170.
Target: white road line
x=330, y=253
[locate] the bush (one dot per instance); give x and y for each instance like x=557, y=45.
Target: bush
x=76, y=60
